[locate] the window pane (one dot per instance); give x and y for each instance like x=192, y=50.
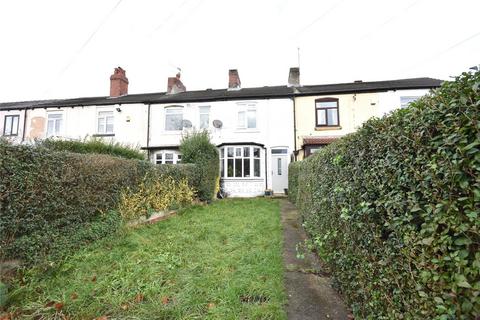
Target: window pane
x=279, y=166
x=279, y=151
x=230, y=152
x=169, y=156
x=230, y=167
x=158, y=158
x=246, y=168
x=241, y=119
x=15, y=124
x=321, y=118
x=222, y=152
x=222, y=168
x=330, y=104
x=252, y=119
x=179, y=158
x=173, y=119
x=8, y=125
x=332, y=115
x=204, y=121
x=54, y=116
x=256, y=167
x=50, y=126
x=101, y=125
x=256, y=152
x=109, y=126
x=246, y=152
x=238, y=167
x=238, y=152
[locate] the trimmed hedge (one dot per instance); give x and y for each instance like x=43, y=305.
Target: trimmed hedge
x=51, y=202
x=394, y=208
x=197, y=149
x=93, y=145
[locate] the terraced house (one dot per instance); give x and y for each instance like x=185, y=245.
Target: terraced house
x=258, y=131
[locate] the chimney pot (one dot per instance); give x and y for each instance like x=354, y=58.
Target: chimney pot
x=294, y=77
x=118, y=83
x=234, y=79
x=175, y=85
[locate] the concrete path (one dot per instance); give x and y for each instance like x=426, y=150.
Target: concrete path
x=310, y=295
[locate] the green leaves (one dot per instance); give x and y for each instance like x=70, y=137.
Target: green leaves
x=403, y=196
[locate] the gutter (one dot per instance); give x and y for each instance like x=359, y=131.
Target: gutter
x=294, y=129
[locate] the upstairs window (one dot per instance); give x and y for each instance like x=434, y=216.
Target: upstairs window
x=405, y=101
x=247, y=117
x=54, y=124
x=326, y=112
x=173, y=119
x=10, y=125
x=204, y=117
x=105, y=122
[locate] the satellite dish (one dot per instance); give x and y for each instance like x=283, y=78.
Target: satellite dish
x=217, y=124
x=186, y=123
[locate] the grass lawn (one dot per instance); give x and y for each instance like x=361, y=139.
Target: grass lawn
x=222, y=261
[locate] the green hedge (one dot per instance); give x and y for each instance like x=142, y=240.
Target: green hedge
x=394, y=208
x=293, y=171
x=197, y=149
x=51, y=201
x=93, y=145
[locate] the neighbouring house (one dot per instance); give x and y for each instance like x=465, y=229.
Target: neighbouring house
x=78, y=118
x=258, y=131
x=252, y=128
x=324, y=113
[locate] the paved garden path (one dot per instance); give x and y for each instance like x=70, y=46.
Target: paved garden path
x=310, y=295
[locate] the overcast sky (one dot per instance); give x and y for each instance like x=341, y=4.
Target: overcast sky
x=62, y=49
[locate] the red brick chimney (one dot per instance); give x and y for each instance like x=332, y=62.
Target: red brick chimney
x=118, y=83
x=234, y=79
x=175, y=85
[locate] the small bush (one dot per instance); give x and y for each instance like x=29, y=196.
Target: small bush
x=394, y=208
x=293, y=172
x=155, y=194
x=196, y=148
x=93, y=145
x=52, y=202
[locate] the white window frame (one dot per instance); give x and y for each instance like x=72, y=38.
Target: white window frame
x=406, y=100
x=203, y=111
x=244, y=115
x=239, y=156
x=103, y=116
x=50, y=118
x=11, y=132
x=167, y=157
x=173, y=110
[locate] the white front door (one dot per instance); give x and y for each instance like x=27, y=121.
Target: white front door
x=279, y=169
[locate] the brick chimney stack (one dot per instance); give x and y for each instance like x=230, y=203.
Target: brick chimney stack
x=118, y=83
x=294, y=77
x=175, y=85
x=234, y=80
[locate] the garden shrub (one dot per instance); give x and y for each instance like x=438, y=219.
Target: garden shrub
x=52, y=202
x=394, y=208
x=154, y=195
x=93, y=145
x=196, y=148
x=293, y=171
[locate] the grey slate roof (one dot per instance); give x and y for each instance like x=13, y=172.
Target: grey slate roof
x=225, y=94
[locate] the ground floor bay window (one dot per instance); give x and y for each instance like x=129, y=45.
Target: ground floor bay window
x=241, y=169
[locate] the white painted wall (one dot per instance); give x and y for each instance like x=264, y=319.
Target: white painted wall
x=274, y=118
x=130, y=124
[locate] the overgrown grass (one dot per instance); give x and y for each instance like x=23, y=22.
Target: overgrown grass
x=221, y=261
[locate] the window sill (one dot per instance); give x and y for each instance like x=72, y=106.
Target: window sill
x=328, y=128
x=240, y=130
x=103, y=135
x=10, y=135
